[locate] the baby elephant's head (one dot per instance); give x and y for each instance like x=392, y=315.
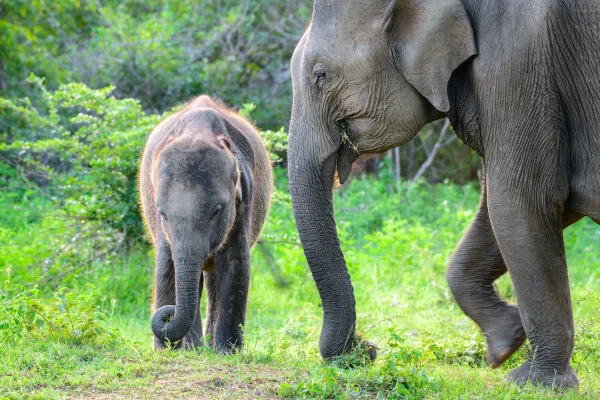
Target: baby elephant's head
x=197, y=181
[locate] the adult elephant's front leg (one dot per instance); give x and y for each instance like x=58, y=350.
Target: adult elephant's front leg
x=525, y=201
x=475, y=265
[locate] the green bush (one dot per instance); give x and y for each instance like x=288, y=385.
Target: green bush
x=77, y=178
x=69, y=317
x=94, y=141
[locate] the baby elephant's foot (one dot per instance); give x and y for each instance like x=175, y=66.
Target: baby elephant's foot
x=161, y=345
x=504, y=336
x=191, y=342
x=564, y=379
x=227, y=348
x=228, y=344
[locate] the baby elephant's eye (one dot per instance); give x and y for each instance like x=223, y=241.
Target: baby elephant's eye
x=161, y=212
x=216, y=211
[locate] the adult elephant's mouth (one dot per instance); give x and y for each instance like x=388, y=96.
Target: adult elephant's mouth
x=347, y=152
x=346, y=137
x=364, y=135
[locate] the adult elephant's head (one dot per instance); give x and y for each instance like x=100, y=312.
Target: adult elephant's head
x=366, y=77
x=197, y=181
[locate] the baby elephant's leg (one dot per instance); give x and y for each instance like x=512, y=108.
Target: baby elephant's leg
x=232, y=269
x=194, y=337
x=212, y=300
x=475, y=265
x=164, y=292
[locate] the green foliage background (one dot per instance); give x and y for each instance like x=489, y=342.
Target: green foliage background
x=82, y=84
x=161, y=52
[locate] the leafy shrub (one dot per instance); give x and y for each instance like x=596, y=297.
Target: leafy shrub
x=400, y=373
x=70, y=317
x=96, y=141
x=80, y=173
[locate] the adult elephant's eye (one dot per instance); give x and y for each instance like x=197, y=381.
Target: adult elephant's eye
x=320, y=74
x=161, y=212
x=216, y=211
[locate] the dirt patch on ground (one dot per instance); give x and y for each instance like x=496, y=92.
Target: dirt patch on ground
x=195, y=380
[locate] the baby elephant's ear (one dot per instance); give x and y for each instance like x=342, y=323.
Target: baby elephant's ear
x=223, y=143
x=238, y=188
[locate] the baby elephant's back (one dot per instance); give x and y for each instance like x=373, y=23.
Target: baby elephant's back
x=262, y=173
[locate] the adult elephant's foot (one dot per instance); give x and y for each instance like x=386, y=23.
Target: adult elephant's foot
x=360, y=353
x=504, y=336
x=369, y=348
x=558, y=379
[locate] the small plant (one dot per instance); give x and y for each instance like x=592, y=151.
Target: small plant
x=459, y=350
x=69, y=317
x=324, y=383
x=361, y=355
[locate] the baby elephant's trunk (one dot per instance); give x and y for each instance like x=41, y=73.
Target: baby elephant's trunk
x=170, y=322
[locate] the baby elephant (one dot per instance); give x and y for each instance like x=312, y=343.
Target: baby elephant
x=205, y=185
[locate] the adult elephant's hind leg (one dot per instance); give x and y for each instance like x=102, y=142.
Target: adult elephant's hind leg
x=526, y=214
x=475, y=265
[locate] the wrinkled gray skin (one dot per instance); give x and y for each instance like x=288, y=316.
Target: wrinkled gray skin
x=205, y=186
x=520, y=82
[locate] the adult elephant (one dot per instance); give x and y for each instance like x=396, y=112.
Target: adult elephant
x=520, y=82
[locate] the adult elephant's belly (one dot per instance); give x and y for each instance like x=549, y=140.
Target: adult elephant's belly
x=584, y=163
x=584, y=195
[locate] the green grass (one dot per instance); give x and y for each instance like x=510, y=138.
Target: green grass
x=397, y=246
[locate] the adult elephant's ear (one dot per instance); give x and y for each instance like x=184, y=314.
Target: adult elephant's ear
x=429, y=39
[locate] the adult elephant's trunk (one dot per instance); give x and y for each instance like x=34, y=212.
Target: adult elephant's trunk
x=173, y=322
x=312, y=154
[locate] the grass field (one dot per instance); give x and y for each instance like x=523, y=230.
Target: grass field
x=96, y=342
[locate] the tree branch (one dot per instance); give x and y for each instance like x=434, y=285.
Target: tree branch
x=438, y=145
